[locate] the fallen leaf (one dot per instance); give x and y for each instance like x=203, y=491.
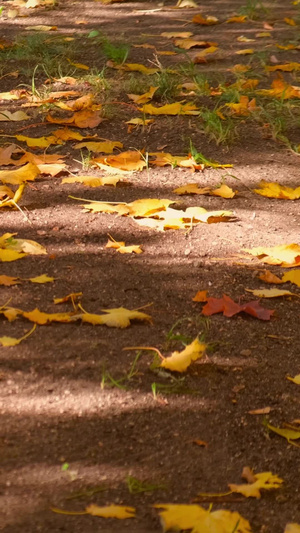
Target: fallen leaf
x=268, y=277
x=82, y=119
x=10, y=255
x=193, y=188
x=286, y=255
x=38, y=317
x=93, y=181
x=245, y=52
x=243, y=39
x=201, y=443
x=271, y=293
x=242, y=18
x=290, y=21
x=230, y=308
x=286, y=67
x=129, y=161
x=263, y=34
x=73, y=297
x=122, y=249
x=13, y=117
x=8, y=281
x=289, y=434
x=180, y=361
x=263, y=480
x=27, y=246
x=111, y=511
x=38, y=142
x=187, y=44
x=143, y=98
x=201, y=57
x=244, y=107
x=10, y=341
x=115, y=318
x=177, y=108
x=15, y=177
x=133, y=67
x=107, y=147
x=293, y=276
x=205, y=21
x=43, y=278
x=200, y=296
x=275, y=190
x=174, y=34
x=41, y=27
x=292, y=528
x=263, y=411
x=295, y=379
x=200, y=520
x=186, y=4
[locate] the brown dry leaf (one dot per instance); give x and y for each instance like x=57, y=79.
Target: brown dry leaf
x=200, y=442
x=15, y=177
x=130, y=161
x=82, y=119
x=13, y=117
x=182, y=517
x=286, y=255
x=8, y=281
x=177, y=108
x=268, y=277
x=263, y=480
x=271, y=293
x=115, y=318
x=262, y=411
x=121, y=248
x=93, y=181
x=111, y=511
x=180, y=361
x=143, y=98
x=293, y=276
x=275, y=190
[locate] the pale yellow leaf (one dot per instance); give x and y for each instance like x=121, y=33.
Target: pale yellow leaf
x=180, y=361
x=263, y=480
x=111, y=511
x=270, y=293
x=115, y=318
x=106, y=147
x=13, y=117
x=286, y=255
x=15, y=177
x=11, y=341
x=93, y=181
x=173, y=34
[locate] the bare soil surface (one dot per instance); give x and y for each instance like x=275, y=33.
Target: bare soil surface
x=75, y=424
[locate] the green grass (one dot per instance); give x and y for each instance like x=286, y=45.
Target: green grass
x=253, y=9
x=135, y=486
x=117, y=53
x=167, y=84
x=219, y=130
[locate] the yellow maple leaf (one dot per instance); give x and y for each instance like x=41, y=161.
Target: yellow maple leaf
x=292, y=527
x=289, y=434
x=245, y=52
x=121, y=248
x=6, y=115
x=115, y=318
x=41, y=318
x=201, y=57
x=11, y=341
x=295, y=379
x=293, y=276
x=281, y=89
x=271, y=293
x=263, y=480
x=244, y=107
x=193, y=188
x=186, y=44
x=15, y=177
x=38, y=142
x=111, y=511
x=143, y=98
x=182, y=517
x=205, y=21
x=8, y=280
x=133, y=67
x=290, y=21
x=43, y=278
x=177, y=108
x=180, y=361
x=286, y=255
x=275, y=190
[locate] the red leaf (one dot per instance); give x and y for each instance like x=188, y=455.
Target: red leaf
x=213, y=306
x=254, y=309
x=230, y=308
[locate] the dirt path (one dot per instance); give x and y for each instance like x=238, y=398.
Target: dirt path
x=82, y=420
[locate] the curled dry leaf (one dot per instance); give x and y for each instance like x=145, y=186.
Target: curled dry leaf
x=271, y=293
x=205, y=21
x=111, y=511
x=268, y=277
x=15, y=177
x=106, y=147
x=129, y=161
x=286, y=255
x=180, y=361
x=13, y=117
x=10, y=341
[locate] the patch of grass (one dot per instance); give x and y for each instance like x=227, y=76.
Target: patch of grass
x=135, y=84
x=97, y=79
x=122, y=383
x=219, y=130
x=117, y=53
x=253, y=8
x=135, y=486
x=167, y=84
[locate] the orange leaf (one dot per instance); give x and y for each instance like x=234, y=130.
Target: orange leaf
x=268, y=277
x=200, y=296
x=230, y=308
